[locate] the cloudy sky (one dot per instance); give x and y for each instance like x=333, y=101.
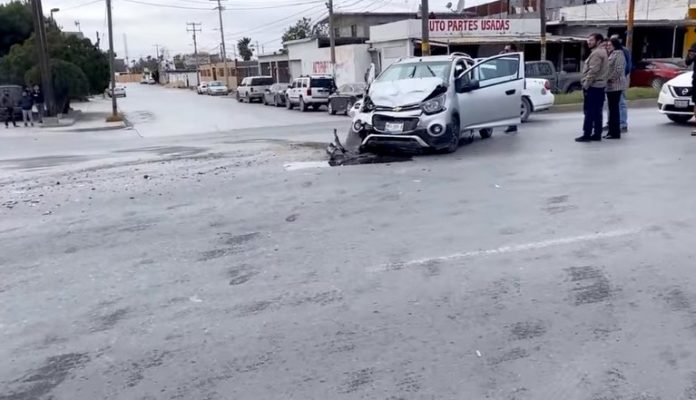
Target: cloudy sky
x=145, y=23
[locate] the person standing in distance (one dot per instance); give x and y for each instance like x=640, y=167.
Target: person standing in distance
x=594, y=83
x=510, y=48
x=616, y=84
x=627, y=71
x=8, y=106
x=38, y=97
x=690, y=57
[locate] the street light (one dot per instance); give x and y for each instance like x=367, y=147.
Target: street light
x=54, y=10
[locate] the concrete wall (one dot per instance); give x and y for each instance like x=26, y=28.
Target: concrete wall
x=179, y=79
x=351, y=61
x=391, y=51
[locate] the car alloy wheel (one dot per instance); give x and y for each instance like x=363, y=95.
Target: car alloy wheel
x=526, y=110
x=303, y=106
x=330, y=109
x=349, y=106
x=455, y=132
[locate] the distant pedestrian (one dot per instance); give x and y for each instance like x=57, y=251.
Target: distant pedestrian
x=26, y=103
x=510, y=48
x=7, y=105
x=623, y=108
x=690, y=58
x=38, y=97
x=616, y=84
x=594, y=83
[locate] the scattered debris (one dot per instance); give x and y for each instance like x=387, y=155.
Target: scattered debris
x=146, y=176
x=10, y=203
x=339, y=155
x=195, y=299
x=478, y=353
x=47, y=212
x=292, y=217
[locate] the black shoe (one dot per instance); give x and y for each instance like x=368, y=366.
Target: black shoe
x=596, y=138
x=583, y=138
x=612, y=137
x=624, y=129
x=511, y=129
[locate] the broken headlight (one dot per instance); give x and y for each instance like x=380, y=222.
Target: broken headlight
x=434, y=105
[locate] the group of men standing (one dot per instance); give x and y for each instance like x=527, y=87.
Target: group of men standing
x=605, y=75
x=30, y=97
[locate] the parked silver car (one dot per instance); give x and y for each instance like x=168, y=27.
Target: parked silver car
x=429, y=102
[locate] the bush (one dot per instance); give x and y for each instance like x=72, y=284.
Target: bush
x=69, y=82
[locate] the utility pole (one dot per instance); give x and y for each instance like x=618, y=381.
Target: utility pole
x=195, y=28
x=44, y=63
x=224, y=51
x=125, y=47
x=114, y=107
x=629, y=25
x=332, y=37
x=425, y=27
x=541, y=4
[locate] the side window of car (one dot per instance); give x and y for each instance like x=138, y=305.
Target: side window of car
x=459, y=68
x=305, y=83
x=545, y=69
x=497, y=70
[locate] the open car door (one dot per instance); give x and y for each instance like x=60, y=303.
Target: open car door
x=490, y=92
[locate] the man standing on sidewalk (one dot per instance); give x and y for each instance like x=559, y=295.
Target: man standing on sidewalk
x=38, y=97
x=26, y=103
x=7, y=105
x=594, y=83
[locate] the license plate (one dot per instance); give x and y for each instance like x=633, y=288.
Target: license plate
x=681, y=103
x=394, y=127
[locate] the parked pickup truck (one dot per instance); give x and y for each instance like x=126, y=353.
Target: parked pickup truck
x=561, y=82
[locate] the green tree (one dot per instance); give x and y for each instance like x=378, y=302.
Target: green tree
x=69, y=82
x=301, y=30
x=244, y=48
x=16, y=25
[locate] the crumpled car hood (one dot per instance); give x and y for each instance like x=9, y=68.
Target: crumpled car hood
x=403, y=92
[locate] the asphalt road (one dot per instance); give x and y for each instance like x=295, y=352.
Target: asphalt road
x=195, y=266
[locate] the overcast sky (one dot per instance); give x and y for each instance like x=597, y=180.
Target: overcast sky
x=145, y=23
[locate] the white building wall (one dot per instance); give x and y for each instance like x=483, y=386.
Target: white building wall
x=617, y=10
x=352, y=61
x=391, y=51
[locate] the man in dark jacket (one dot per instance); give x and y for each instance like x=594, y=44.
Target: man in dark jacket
x=38, y=97
x=690, y=57
x=7, y=105
x=26, y=103
x=594, y=83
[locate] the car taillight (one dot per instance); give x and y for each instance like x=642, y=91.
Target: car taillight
x=309, y=92
x=547, y=85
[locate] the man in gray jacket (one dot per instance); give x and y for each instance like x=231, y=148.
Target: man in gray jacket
x=594, y=83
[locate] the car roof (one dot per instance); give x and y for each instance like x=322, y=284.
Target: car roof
x=450, y=57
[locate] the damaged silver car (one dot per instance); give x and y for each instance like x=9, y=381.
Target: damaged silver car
x=435, y=102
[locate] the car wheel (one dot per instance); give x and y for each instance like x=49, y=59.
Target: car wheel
x=276, y=101
x=288, y=103
x=303, y=106
x=239, y=98
x=486, y=133
x=657, y=84
x=526, y=110
x=678, y=118
x=264, y=101
x=330, y=109
x=455, y=131
x=349, y=106
x=575, y=87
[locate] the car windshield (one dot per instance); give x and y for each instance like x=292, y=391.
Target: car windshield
x=215, y=83
x=321, y=83
x=397, y=72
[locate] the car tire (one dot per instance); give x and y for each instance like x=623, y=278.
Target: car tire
x=276, y=101
x=526, y=110
x=678, y=118
x=486, y=133
x=239, y=98
x=330, y=109
x=454, y=130
x=303, y=106
x=349, y=106
x=264, y=101
x=657, y=84
x=288, y=103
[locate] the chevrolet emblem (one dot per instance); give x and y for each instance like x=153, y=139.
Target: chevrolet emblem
x=396, y=109
x=685, y=91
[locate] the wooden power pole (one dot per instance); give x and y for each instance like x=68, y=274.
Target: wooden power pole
x=629, y=25
x=224, y=51
x=114, y=106
x=195, y=27
x=44, y=62
x=542, y=21
x=332, y=37
x=425, y=27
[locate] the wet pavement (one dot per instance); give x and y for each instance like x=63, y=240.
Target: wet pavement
x=200, y=266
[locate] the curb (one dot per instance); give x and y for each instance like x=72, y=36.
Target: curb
x=575, y=107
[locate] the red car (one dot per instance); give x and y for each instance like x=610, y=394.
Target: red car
x=654, y=73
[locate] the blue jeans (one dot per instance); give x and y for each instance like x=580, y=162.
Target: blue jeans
x=623, y=110
x=593, y=103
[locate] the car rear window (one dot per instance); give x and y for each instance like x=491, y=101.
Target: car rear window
x=327, y=83
x=261, y=81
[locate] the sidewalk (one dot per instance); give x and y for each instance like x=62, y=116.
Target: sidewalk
x=89, y=116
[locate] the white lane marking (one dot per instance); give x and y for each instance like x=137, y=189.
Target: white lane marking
x=509, y=249
x=295, y=166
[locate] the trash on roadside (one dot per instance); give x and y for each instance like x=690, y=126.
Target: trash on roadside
x=47, y=213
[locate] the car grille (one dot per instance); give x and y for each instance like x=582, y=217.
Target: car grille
x=380, y=121
x=682, y=91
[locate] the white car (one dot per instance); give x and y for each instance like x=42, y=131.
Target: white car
x=254, y=88
x=675, y=99
x=202, y=88
x=217, y=88
x=119, y=91
x=536, y=96
x=306, y=91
